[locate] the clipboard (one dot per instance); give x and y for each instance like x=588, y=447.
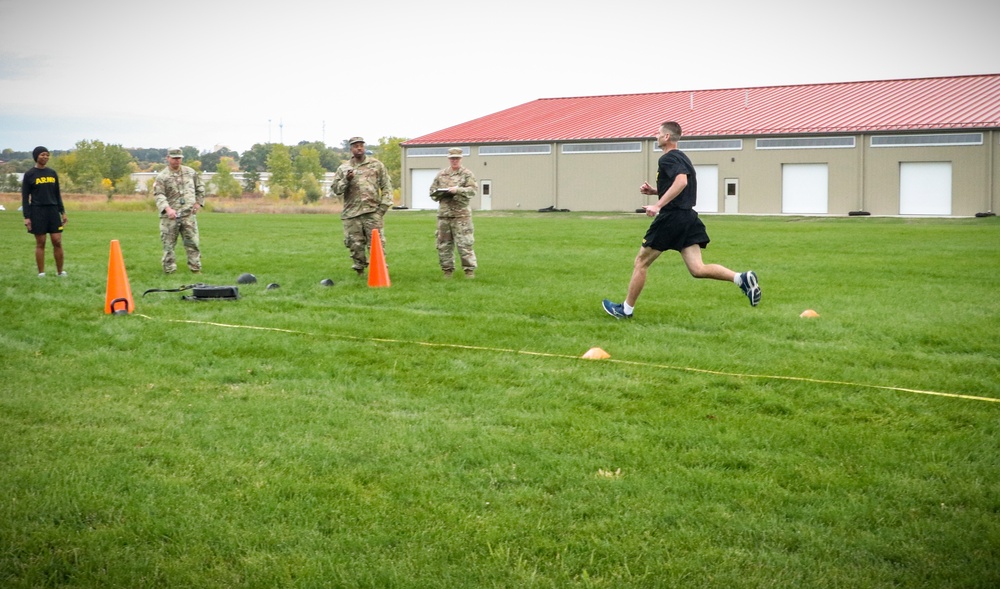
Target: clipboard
x=441, y=192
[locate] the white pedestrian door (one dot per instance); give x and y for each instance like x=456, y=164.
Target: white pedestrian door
x=420, y=189
x=804, y=189
x=485, y=195
x=732, y=204
x=925, y=188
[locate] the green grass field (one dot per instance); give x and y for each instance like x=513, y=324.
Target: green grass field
x=447, y=434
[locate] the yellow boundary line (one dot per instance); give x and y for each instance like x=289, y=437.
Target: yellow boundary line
x=567, y=356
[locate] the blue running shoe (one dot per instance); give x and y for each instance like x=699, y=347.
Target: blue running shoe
x=616, y=310
x=749, y=286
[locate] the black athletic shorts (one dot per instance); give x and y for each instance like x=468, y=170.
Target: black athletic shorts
x=45, y=219
x=675, y=229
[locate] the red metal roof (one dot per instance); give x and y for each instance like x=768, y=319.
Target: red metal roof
x=961, y=102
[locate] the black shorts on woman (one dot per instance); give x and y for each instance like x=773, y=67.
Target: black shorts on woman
x=45, y=219
x=675, y=229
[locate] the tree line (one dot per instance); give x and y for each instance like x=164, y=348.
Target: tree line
x=295, y=171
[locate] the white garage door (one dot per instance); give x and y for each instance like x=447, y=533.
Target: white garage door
x=420, y=185
x=804, y=189
x=708, y=189
x=925, y=188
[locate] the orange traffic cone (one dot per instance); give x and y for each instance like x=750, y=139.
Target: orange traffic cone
x=118, y=299
x=378, y=272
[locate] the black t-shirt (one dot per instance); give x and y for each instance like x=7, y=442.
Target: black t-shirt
x=671, y=164
x=40, y=187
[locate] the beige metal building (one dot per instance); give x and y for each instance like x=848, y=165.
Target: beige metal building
x=922, y=147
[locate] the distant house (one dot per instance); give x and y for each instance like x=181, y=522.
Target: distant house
x=894, y=147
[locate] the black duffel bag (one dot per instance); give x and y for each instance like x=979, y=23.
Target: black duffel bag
x=203, y=292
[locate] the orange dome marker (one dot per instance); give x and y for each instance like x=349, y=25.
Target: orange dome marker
x=596, y=354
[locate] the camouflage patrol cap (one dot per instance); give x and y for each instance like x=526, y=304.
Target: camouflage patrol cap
x=455, y=152
x=354, y=140
x=175, y=152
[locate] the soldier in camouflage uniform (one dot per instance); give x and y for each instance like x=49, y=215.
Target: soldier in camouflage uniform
x=364, y=184
x=454, y=223
x=179, y=194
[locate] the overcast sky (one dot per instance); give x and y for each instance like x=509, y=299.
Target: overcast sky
x=204, y=73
